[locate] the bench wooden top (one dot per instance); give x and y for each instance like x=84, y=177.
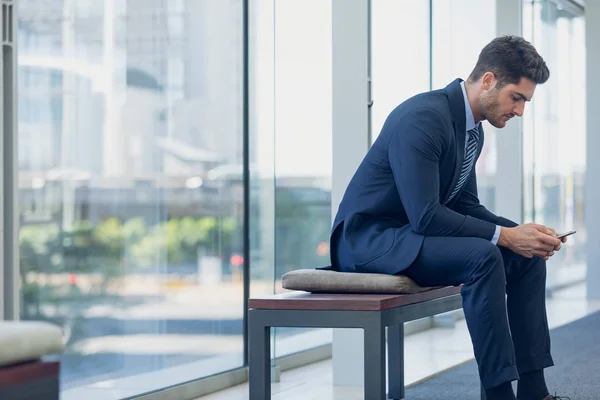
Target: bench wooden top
x=22, y=373
x=351, y=302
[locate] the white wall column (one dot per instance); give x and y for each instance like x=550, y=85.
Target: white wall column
x=350, y=143
x=592, y=183
x=509, y=175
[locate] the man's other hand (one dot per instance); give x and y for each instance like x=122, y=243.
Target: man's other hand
x=530, y=240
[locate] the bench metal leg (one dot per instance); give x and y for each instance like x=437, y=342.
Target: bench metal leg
x=395, y=335
x=259, y=359
x=375, y=361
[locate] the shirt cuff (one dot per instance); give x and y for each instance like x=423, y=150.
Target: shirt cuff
x=496, y=234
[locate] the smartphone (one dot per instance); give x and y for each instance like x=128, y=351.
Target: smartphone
x=562, y=235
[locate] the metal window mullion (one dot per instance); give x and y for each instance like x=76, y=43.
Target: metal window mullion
x=9, y=177
x=246, y=171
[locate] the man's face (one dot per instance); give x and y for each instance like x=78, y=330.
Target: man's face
x=500, y=105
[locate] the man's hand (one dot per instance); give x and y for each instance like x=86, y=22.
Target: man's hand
x=563, y=240
x=530, y=240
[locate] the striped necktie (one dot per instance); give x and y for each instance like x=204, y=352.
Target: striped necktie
x=471, y=150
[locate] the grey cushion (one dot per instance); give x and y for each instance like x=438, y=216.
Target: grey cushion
x=28, y=340
x=326, y=281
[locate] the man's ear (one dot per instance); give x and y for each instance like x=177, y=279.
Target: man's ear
x=488, y=80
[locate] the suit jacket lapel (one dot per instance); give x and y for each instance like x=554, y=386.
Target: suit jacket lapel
x=457, y=107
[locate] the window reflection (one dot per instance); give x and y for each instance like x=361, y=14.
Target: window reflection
x=130, y=117
x=554, y=134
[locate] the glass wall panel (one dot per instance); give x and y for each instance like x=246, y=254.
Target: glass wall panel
x=290, y=149
x=303, y=153
x=459, y=33
x=130, y=152
x=554, y=134
x=261, y=150
x=399, y=55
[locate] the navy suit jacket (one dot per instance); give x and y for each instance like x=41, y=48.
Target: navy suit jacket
x=396, y=197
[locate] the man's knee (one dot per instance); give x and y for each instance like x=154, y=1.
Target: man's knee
x=527, y=272
x=537, y=267
x=488, y=261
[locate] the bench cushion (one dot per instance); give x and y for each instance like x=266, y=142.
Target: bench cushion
x=28, y=340
x=327, y=281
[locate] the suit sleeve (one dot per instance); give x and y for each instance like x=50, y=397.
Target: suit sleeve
x=415, y=147
x=468, y=204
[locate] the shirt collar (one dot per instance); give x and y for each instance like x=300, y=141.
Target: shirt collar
x=470, y=119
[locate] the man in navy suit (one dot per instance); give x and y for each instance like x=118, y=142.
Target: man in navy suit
x=412, y=208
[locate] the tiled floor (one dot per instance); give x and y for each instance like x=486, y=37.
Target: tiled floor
x=427, y=353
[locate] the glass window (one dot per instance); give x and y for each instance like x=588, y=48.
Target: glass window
x=290, y=149
x=131, y=237
x=303, y=153
x=399, y=55
x=261, y=149
x=459, y=33
x=554, y=134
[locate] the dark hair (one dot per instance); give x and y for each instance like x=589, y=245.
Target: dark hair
x=511, y=58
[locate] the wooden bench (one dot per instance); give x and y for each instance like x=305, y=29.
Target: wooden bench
x=371, y=312
x=35, y=380
x=25, y=372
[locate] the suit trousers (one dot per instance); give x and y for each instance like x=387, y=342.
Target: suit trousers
x=504, y=301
